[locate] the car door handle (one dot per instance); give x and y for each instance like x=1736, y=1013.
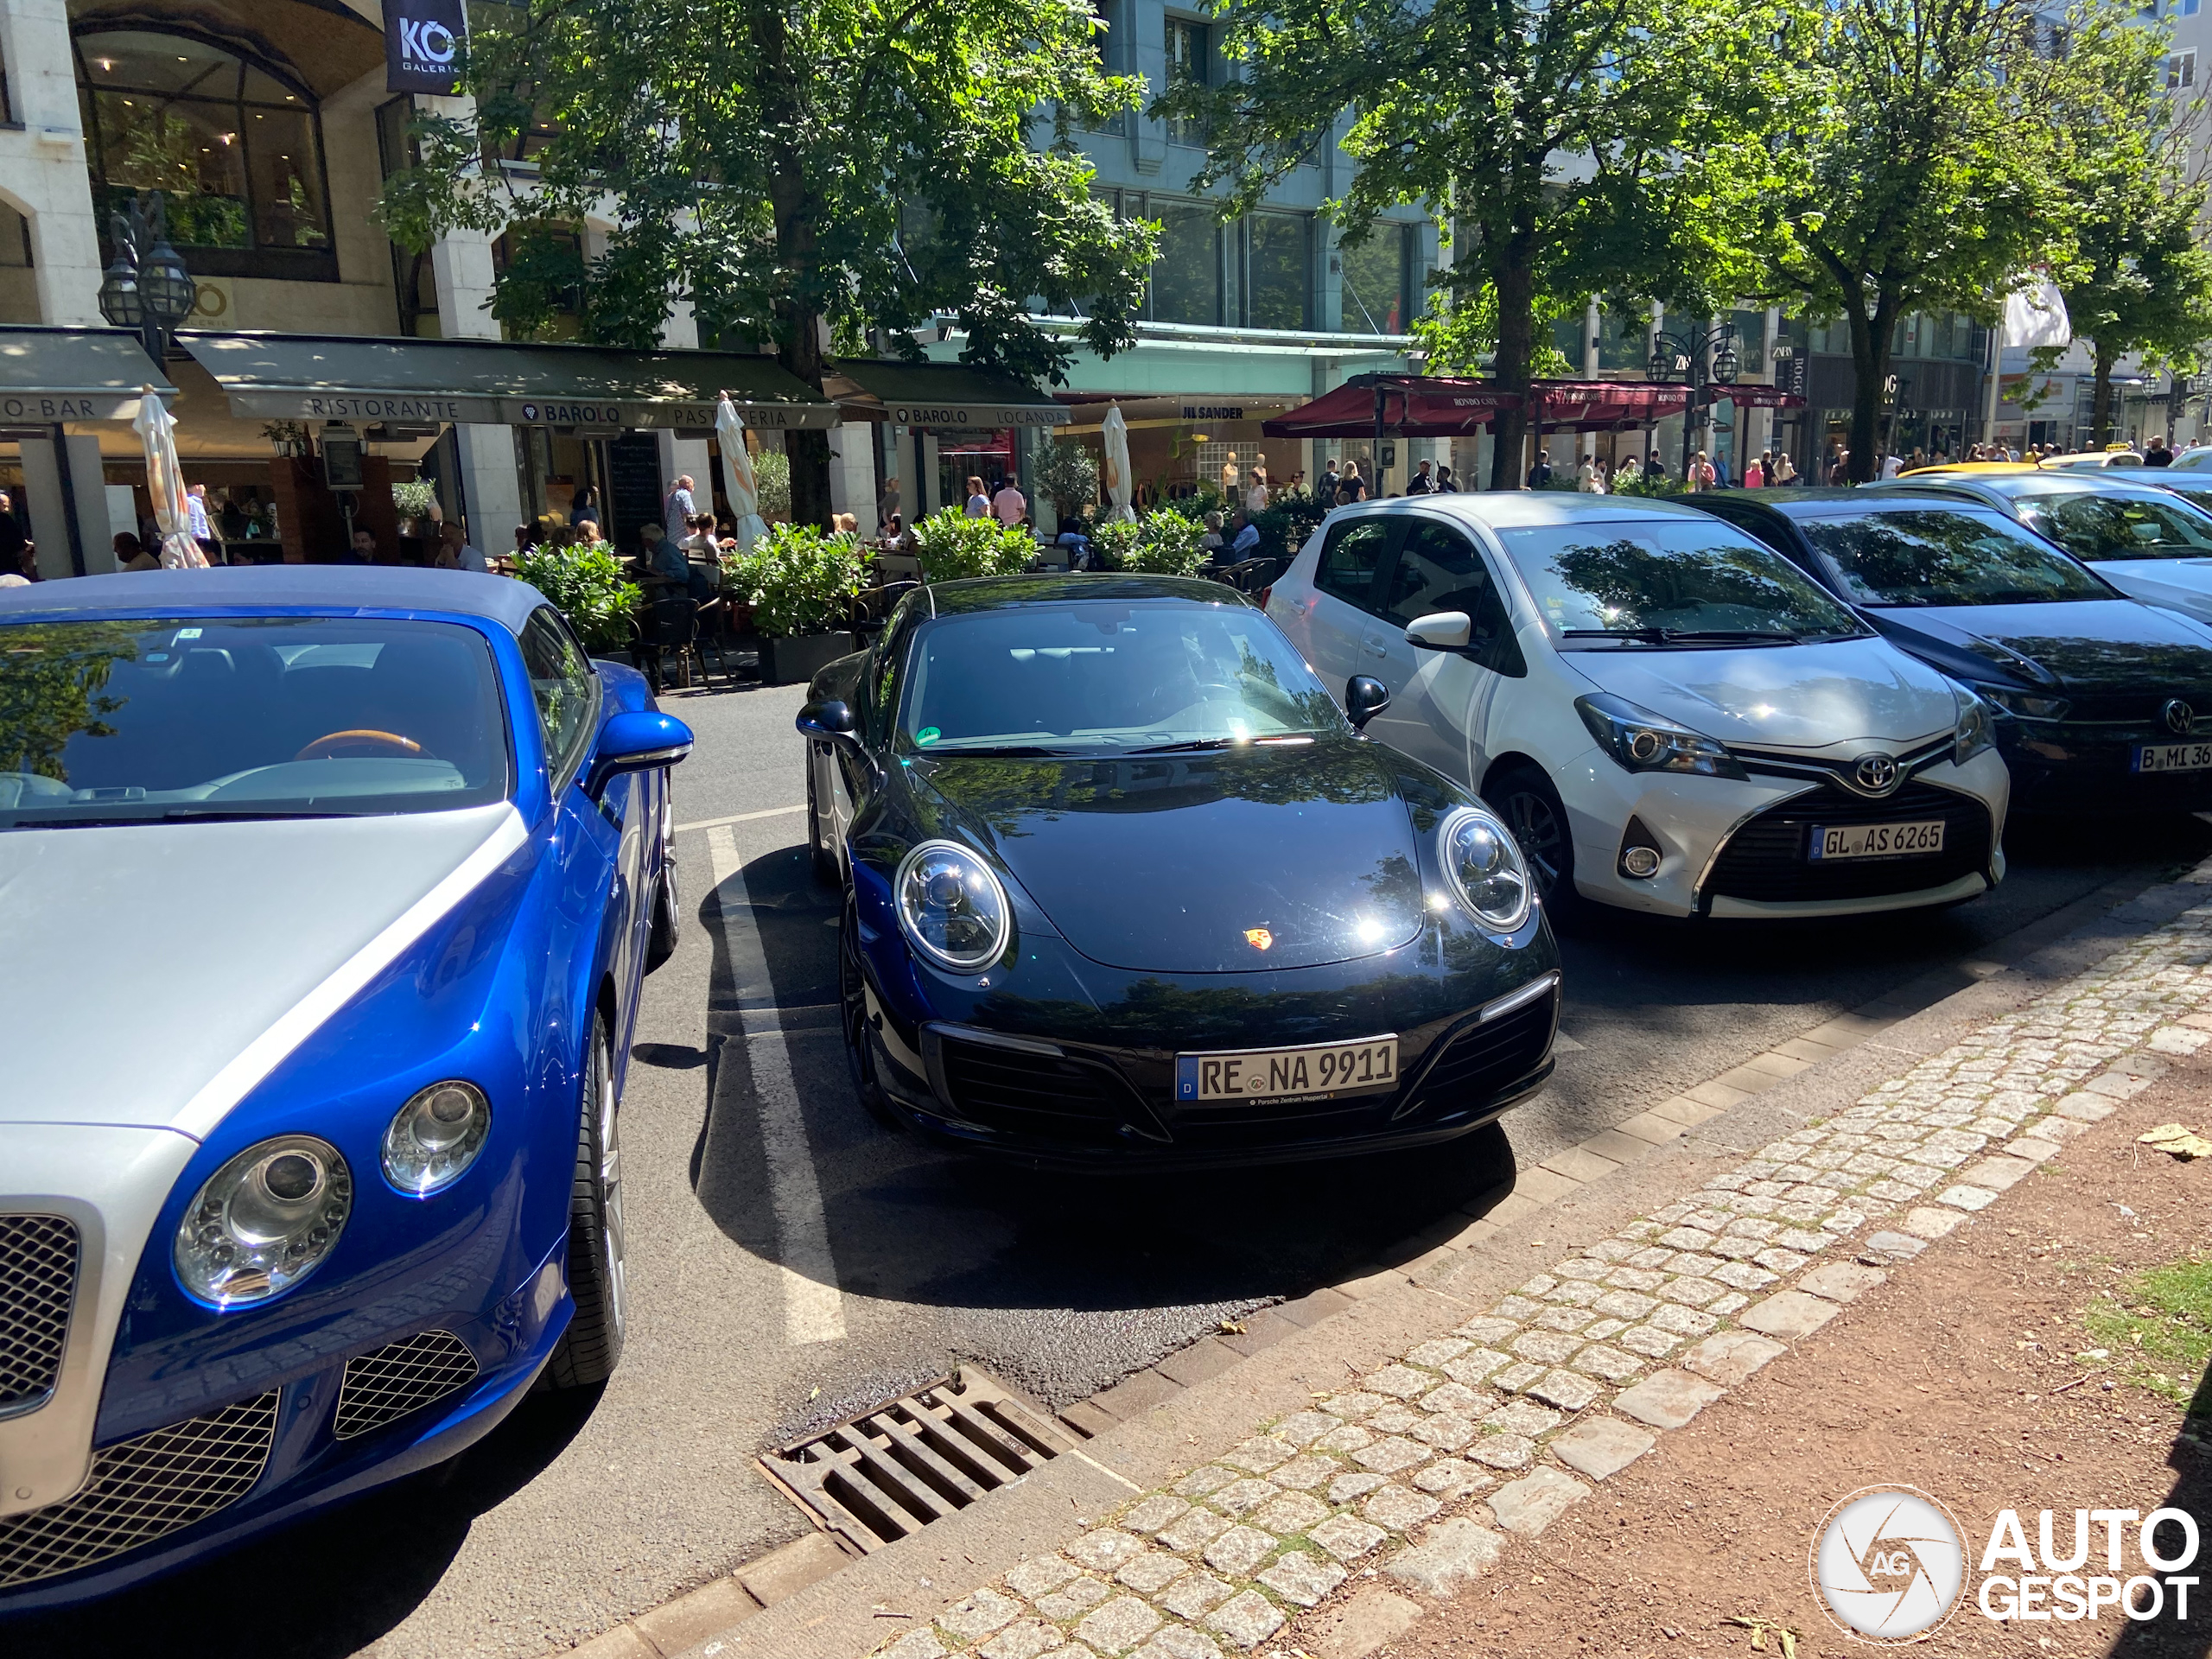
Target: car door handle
x=1374, y=650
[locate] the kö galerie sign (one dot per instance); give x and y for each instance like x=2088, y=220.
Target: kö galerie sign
x=422, y=45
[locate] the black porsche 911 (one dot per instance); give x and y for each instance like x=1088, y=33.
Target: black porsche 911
x=1123, y=883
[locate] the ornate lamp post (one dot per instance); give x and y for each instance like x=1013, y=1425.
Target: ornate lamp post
x=1702, y=361
x=147, y=289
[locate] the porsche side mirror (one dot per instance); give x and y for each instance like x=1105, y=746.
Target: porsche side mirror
x=635, y=741
x=831, y=721
x=1442, y=631
x=1364, y=698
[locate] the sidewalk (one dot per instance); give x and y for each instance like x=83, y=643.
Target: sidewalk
x=1379, y=1479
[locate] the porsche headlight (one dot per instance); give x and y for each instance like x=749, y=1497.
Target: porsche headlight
x=265, y=1221
x=1644, y=741
x=1485, y=868
x=1972, y=732
x=952, y=908
x=435, y=1136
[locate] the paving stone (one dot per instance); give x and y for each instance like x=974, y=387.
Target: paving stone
x=1118, y=1625
x=1302, y=1429
x=1152, y=1571
x=1686, y=1239
x=1742, y=1276
x=1804, y=1242
x=1487, y=1330
x=1346, y=1536
x=1503, y=1450
x=1178, y=1642
x=1775, y=1259
x=1456, y=1397
x=1245, y=1495
x=1039, y=1576
x=1194, y=1594
x=1258, y=1455
x=1523, y=1417
x=1667, y=1399
x=1684, y=1321
x=1601, y=1447
x=1346, y=1488
x=915, y=1644
x=1895, y=1247
x=1519, y=1376
x=1567, y=1320
x=1354, y=1405
x=1303, y=1578
x=1533, y=1502
x=1539, y=1285
x=1471, y=1369
x=1399, y=1509
x=1240, y=1549
x=1790, y=1315
x=1544, y=1347
x=1566, y=1390
x=1399, y=1383
x=978, y=1615
x=1199, y=1527
x=1609, y=1363
x=1969, y=1199
x=1291, y=1512
x=1247, y=1620
x=1434, y=1352
x=1737, y=1250
x=1650, y=1341
x=1204, y=1479
x=1077, y=1596
x=1695, y=1292
x=2086, y=1109
x=1151, y=1514
x=1604, y=1330
x=1519, y=1309
x=1450, y=1478
x=1303, y=1474
x=1393, y=1419
x=1343, y=1439
x=1730, y=1356
x=1453, y=1556
x=1997, y=1174
x=1624, y=1305
x=1387, y=1457
x=1636, y=1279
x=1648, y=1257
x=1367, y=1622
x=1893, y=1191
x=1931, y=1224
x=1840, y=1281
x=1104, y=1550
x=1446, y=1432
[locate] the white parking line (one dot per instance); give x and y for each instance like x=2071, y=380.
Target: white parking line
x=814, y=1308
x=737, y=818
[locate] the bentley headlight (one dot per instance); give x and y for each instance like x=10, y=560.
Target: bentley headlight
x=265, y=1221
x=1485, y=869
x=952, y=908
x=1972, y=732
x=435, y=1136
x=1644, y=741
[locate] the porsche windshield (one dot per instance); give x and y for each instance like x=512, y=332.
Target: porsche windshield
x=1667, y=583
x=211, y=718
x=1093, y=676
x=2098, y=527
x=1942, y=555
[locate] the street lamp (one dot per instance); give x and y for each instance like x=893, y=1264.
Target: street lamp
x=146, y=289
x=1701, y=360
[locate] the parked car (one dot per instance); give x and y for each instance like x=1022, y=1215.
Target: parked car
x=2144, y=539
x=327, y=896
x=1670, y=716
x=2196, y=459
x=1124, y=887
x=2091, y=459
x=2192, y=483
x=2095, y=693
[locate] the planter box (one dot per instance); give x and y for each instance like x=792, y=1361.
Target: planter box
x=796, y=660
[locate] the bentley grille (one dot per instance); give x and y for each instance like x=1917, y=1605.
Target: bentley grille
x=38, y=1281
x=140, y=1489
x=394, y=1379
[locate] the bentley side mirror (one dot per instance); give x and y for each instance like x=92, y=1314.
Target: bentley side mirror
x=1366, y=697
x=1441, y=630
x=830, y=721
x=635, y=741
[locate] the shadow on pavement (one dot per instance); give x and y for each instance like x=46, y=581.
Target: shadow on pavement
x=2164, y=1637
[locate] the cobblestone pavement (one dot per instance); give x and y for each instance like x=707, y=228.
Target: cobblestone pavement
x=1412, y=1477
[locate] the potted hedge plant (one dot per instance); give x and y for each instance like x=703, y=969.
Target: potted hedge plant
x=1162, y=543
x=1066, y=476
x=951, y=545
x=585, y=583
x=801, y=583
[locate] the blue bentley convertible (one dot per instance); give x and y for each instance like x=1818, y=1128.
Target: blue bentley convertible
x=325, y=896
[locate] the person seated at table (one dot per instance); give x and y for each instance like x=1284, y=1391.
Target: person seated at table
x=665, y=561
x=1071, y=538
x=131, y=554
x=1247, y=543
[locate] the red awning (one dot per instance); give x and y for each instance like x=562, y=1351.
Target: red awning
x=1430, y=406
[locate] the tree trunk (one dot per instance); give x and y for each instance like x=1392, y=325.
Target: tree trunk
x=1514, y=280
x=1869, y=361
x=802, y=350
x=2100, y=398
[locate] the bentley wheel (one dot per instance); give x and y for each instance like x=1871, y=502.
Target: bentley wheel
x=592, y=1346
x=852, y=1003
x=1531, y=809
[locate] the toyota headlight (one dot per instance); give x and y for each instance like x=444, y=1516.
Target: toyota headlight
x=1485, y=869
x=1972, y=732
x=435, y=1136
x=265, y=1221
x=1644, y=741
x=951, y=906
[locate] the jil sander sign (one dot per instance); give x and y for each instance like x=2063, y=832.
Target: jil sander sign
x=422, y=45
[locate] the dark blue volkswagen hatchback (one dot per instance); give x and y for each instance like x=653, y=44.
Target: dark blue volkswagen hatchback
x=2096, y=697
x=1123, y=884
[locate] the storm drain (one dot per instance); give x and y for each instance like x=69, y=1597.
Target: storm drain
x=891, y=1471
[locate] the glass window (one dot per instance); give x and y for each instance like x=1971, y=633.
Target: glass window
x=1439, y=570
x=1188, y=61
x=2094, y=527
x=1281, y=259
x=561, y=678
x=1945, y=557
x=1186, y=276
x=1090, y=675
x=1349, y=559
x=1630, y=583
x=244, y=717
x=1377, y=281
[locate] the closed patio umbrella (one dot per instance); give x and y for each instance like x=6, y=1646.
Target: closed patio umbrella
x=739, y=482
x=156, y=430
x=1115, y=431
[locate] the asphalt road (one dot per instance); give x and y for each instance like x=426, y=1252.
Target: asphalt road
x=791, y=1262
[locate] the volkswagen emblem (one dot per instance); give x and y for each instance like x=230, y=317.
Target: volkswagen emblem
x=1877, y=774
x=2178, y=716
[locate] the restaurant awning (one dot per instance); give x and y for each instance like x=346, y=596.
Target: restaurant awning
x=1436, y=406
x=939, y=396
x=51, y=375
x=498, y=383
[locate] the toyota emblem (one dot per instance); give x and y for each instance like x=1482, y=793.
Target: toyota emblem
x=2178, y=716
x=1877, y=774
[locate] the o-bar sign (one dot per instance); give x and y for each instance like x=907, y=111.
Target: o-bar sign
x=422, y=38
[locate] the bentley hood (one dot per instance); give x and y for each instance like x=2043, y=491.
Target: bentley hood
x=1784, y=696
x=1234, y=860
x=154, y=974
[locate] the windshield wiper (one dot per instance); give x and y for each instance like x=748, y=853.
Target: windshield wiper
x=1198, y=745
x=1018, y=751
x=172, y=814
x=1682, y=636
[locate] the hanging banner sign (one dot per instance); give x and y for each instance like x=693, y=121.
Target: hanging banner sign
x=422, y=45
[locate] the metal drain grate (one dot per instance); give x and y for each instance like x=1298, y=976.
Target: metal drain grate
x=875, y=1478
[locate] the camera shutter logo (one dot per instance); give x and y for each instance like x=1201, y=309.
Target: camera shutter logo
x=1888, y=1564
x=2180, y=718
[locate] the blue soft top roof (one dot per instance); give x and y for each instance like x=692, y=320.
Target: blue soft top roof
x=305, y=587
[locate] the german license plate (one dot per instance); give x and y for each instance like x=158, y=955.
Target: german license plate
x=1877, y=840
x=2173, y=757
x=1315, y=1073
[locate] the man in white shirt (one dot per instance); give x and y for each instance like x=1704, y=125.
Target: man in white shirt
x=1891, y=464
x=679, y=508
x=1009, y=504
x=455, y=552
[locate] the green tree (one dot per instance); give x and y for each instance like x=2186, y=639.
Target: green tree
x=800, y=171
x=1557, y=144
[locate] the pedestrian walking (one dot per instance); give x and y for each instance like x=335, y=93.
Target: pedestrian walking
x=1422, y=482
x=1539, y=474
x=1702, y=476
x=1351, y=486
x=979, y=504
x=2155, y=454
x=677, y=512
x=1324, y=490
x=1755, y=474
x=1009, y=504
x=1445, y=483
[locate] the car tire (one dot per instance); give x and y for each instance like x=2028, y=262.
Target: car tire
x=592, y=1346
x=825, y=860
x=1525, y=798
x=665, y=932
x=852, y=1009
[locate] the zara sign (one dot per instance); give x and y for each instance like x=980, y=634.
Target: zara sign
x=421, y=42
